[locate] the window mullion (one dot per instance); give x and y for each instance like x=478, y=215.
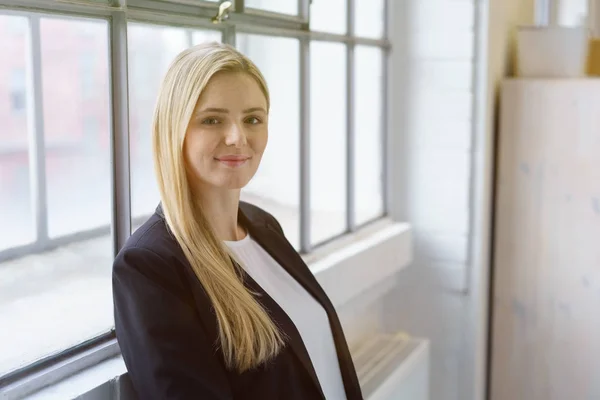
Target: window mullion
x=385, y=103
x=350, y=140
x=229, y=35
x=189, y=37
x=305, y=207
x=119, y=153
x=37, y=147
x=239, y=6
x=304, y=10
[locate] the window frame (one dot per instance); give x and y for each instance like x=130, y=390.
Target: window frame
x=174, y=13
x=544, y=11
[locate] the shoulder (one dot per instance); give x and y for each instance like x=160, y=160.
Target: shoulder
x=151, y=251
x=258, y=216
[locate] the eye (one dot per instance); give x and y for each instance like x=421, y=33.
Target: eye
x=253, y=120
x=210, y=121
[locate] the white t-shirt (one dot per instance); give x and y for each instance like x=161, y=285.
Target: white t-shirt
x=308, y=315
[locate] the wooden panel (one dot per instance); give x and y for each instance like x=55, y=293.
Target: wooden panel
x=546, y=309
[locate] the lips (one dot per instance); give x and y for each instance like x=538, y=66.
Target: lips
x=233, y=160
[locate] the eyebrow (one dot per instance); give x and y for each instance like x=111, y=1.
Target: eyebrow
x=226, y=111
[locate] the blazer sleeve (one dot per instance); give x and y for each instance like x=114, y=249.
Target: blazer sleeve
x=163, y=343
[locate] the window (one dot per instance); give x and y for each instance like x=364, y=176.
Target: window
x=278, y=6
x=564, y=12
x=368, y=149
x=572, y=12
x=368, y=18
x=328, y=140
x=15, y=26
x=328, y=16
x=88, y=64
x=71, y=102
x=17, y=228
x=17, y=93
x=63, y=287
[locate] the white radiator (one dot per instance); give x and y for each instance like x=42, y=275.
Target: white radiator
x=393, y=367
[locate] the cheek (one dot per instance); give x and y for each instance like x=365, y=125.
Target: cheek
x=260, y=142
x=199, y=146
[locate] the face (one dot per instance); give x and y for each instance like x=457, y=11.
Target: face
x=227, y=134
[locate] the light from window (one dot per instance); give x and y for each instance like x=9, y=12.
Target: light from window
x=368, y=115
x=77, y=166
x=18, y=96
x=151, y=50
x=17, y=226
x=14, y=26
x=275, y=187
x=572, y=12
x=199, y=37
x=327, y=140
x=279, y=6
x=328, y=16
x=369, y=18
x=54, y=299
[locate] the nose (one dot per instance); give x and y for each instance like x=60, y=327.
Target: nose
x=235, y=136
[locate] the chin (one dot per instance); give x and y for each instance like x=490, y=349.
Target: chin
x=235, y=186
x=233, y=182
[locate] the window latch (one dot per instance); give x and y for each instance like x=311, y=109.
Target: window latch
x=223, y=12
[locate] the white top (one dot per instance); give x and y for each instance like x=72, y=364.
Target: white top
x=308, y=315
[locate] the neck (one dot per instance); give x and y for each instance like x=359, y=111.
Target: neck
x=221, y=209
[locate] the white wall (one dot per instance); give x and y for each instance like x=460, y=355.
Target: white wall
x=432, y=95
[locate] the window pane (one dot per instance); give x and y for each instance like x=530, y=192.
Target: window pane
x=368, y=18
x=55, y=299
x=17, y=226
x=75, y=54
x=278, y=6
x=327, y=140
x=572, y=12
x=328, y=16
x=368, y=157
x=275, y=186
x=151, y=50
x=205, y=36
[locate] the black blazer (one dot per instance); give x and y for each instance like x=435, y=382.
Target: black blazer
x=168, y=333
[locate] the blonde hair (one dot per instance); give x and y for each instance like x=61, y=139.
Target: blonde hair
x=248, y=336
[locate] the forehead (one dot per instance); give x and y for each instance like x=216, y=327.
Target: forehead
x=232, y=90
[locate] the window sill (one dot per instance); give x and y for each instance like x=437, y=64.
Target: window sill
x=345, y=268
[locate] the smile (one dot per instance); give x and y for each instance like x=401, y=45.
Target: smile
x=233, y=161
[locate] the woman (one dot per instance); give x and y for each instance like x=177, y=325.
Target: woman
x=211, y=300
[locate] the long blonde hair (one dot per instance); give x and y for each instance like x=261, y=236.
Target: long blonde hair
x=247, y=335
